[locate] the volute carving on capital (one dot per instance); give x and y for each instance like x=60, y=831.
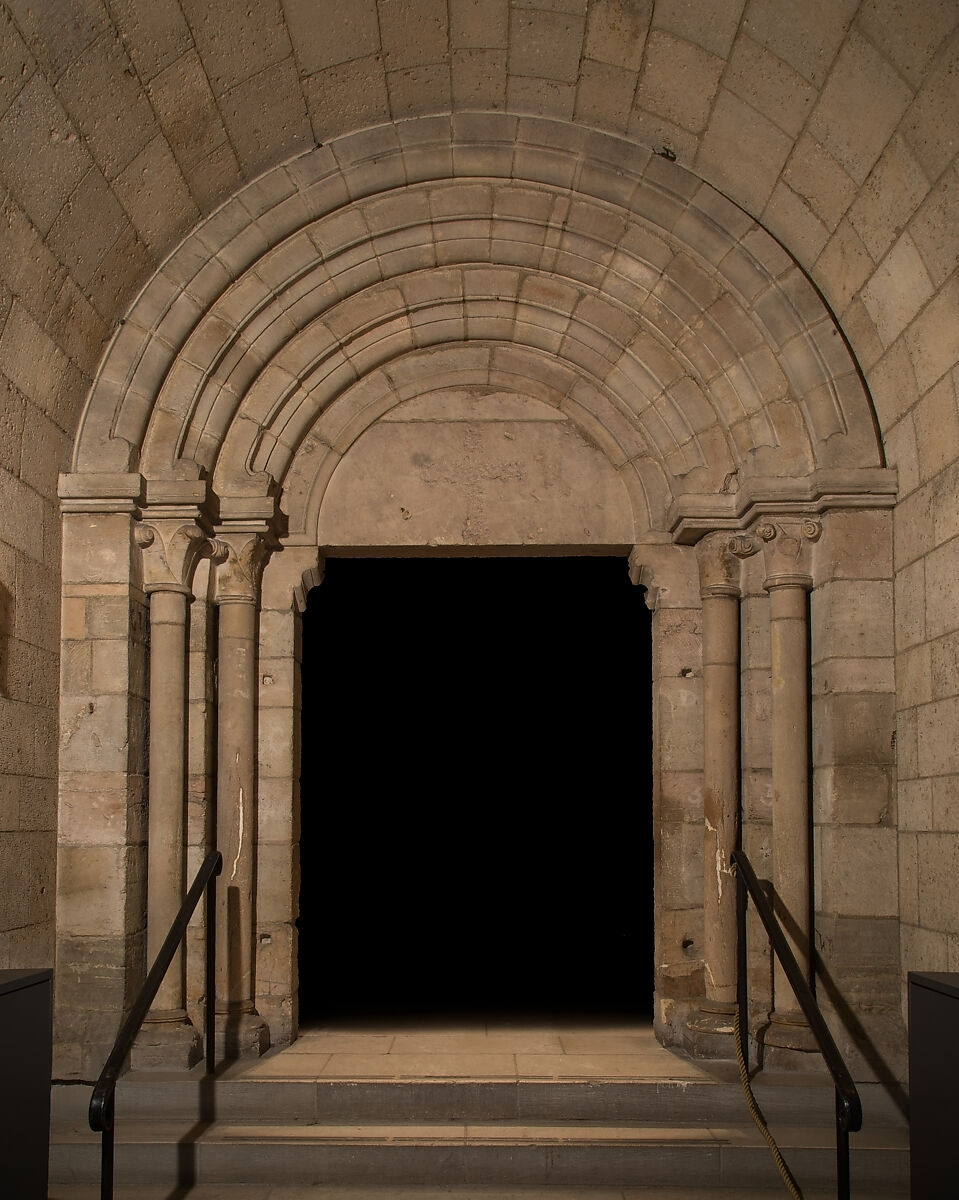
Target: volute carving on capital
x=743, y=546
x=240, y=558
x=170, y=551
x=787, y=549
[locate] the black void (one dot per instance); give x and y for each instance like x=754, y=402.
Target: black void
x=476, y=824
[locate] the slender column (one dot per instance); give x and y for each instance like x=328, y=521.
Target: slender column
x=788, y=583
x=710, y=1028
x=170, y=552
x=239, y=1025
x=720, y=781
x=168, y=611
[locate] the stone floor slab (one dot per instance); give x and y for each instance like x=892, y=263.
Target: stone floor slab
x=332, y=1042
x=425, y=1065
x=524, y=1041
x=605, y=1066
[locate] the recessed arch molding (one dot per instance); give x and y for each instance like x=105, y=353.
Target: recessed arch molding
x=461, y=335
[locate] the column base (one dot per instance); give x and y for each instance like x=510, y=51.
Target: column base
x=788, y=1044
x=241, y=1035
x=710, y=1030
x=167, y=1042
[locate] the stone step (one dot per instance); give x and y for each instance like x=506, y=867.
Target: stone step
x=783, y=1098
x=428, y=1192
x=568, y=1153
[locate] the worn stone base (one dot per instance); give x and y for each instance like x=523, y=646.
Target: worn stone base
x=710, y=1030
x=242, y=1035
x=173, y=1044
x=788, y=1044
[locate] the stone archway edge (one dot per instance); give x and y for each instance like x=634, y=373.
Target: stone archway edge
x=646, y=234
x=622, y=323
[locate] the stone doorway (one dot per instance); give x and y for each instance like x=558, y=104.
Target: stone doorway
x=476, y=782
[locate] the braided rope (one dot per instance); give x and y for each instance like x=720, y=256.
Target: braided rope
x=754, y=1111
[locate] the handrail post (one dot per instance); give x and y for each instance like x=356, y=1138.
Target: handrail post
x=742, y=997
x=209, y=1033
x=106, y=1152
x=848, y=1104
x=842, y=1150
x=102, y=1102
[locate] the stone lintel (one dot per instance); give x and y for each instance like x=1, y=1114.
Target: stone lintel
x=693, y=516
x=436, y=549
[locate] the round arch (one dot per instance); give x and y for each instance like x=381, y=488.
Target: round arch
x=653, y=358
x=693, y=341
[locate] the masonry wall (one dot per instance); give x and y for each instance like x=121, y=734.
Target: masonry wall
x=833, y=124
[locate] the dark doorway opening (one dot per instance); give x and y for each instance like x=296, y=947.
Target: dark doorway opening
x=476, y=827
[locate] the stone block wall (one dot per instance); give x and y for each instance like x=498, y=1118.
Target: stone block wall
x=855, y=848
x=101, y=869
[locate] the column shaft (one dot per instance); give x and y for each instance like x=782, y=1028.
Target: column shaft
x=720, y=790
x=167, y=797
x=236, y=810
x=789, y=635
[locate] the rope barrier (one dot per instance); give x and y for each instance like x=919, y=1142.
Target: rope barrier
x=755, y=1112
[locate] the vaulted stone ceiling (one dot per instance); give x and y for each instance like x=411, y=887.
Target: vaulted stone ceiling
x=608, y=256
x=125, y=122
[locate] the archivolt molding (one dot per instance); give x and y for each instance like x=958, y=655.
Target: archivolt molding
x=656, y=315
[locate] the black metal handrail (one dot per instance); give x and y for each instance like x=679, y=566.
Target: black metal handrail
x=848, y=1104
x=104, y=1092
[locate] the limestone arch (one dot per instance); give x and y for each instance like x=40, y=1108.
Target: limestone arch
x=598, y=287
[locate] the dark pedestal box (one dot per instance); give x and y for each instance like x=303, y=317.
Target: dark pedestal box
x=934, y=1084
x=25, y=1019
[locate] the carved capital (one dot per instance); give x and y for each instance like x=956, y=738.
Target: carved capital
x=170, y=551
x=719, y=566
x=743, y=546
x=288, y=577
x=240, y=557
x=668, y=573
x=787, y=543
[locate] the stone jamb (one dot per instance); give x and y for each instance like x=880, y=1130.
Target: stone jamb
x=101, y=868
x=671, y=579
x=287, y=579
